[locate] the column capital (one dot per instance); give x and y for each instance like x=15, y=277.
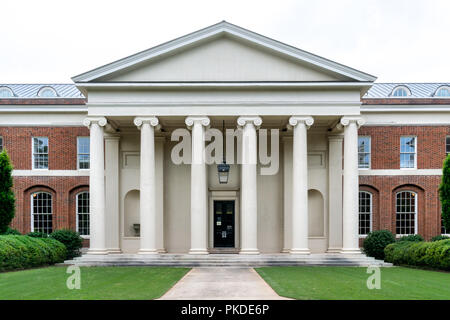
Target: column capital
x=307, y=120
x=335, y=137
x=139, y=121
x=191, y=120
x=255, y=120
x=89, y=121
x=112, y=137
x=345, y=121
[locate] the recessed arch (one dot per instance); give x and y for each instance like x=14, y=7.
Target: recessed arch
x=316, y=214
x=131, y=213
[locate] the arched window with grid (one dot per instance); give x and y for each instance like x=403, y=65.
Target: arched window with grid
x=41, y=212
x=365, y=213
x=406, y=212
x=83, y=213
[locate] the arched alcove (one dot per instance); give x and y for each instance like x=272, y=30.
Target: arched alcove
x=132, y=216
x=316, y=215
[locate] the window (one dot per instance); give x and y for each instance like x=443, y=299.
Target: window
x=447, y=145
x=40, y=153
x=6, y=92
x=364, y=152
x=442, y=92
x=41, y=212
x=47, y=92
x=408, y=152
x=406, y=210
x=365, y=212
x=1, y=144
x=83, y=213
x=401, y=91
x=83, y=146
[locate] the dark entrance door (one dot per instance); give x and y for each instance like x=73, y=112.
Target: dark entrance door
x=224, y=224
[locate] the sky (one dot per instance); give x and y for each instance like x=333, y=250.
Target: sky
x=50, y=41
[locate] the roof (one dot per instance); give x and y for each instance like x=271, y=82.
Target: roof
x=418, y=90
x=30, y=91
x=216, y=30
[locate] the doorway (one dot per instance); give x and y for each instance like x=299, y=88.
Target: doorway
x=224, y=223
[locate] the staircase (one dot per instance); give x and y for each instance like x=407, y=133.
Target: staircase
x=227, y=260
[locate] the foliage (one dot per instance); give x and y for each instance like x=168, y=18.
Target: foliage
x=376, y=241
x=11, y=231
x=439, y=237
x=412, y=238
x=7, y=199
x=37, y=234
x=71, y=239
x=21, y=252
x=444, y=193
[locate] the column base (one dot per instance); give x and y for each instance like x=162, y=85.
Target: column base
x=148, y=251
x=285, y=250
x=249, y=251
x=198, y=251
x=351, y=251
x=334, y=250
x=97, y=251
x=299, y=251
x=114, y=251
x=161, y=250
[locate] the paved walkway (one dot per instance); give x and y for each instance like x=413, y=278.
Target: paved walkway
x=221, y=284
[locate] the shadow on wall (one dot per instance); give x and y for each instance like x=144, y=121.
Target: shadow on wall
x=316, y=214
x=132, y=213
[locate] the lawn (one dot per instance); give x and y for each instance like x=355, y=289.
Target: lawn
x=96, y=283
x=349, y=283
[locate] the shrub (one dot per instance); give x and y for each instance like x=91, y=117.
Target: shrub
x=412, y=238
x=37, y=234
x=376, y=241
x=444, y=193
x=12, y=231
x=21, y=252
x=71, y=239
x=7, y=199
x=439, y=237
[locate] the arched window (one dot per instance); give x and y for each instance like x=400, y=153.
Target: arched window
x=442, y=92
x=83, y=213
x=401, y=91
x=6, y=92
x=41, y=212
x=47, y=92
x=406, y=212
x=365, y=212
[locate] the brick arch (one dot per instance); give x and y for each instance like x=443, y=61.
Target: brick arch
x=72, y=204
x=375, y=204
x=421, y=206
x=26, y=214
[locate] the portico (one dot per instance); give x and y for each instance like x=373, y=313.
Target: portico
x=305, y=113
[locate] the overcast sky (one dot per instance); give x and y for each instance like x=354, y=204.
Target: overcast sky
x=396, y=40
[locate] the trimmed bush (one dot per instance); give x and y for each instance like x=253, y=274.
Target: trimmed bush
x=71, y=239
x=7, y=199
x=22, y=252
x=412, y=238
x=12, y=231
x=439, y=237
x=426, y=254
x=37, y=234
x=376, y=241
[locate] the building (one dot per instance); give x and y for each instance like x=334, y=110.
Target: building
x=98, y=155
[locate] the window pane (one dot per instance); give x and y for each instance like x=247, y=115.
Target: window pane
x=42, y=212
x=365, y=211
x=83, y=213
x=364, y=152
x=83, y=152
x=447, y=144
x=406, y=212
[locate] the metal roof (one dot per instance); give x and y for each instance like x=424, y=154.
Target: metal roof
x=29, y=91
x=418, y=90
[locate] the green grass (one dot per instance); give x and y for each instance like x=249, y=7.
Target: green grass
x=349, y=283
x=96, y=283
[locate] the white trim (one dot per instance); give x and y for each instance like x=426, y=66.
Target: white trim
x=76, y=214
x=215, y=31
x=50, y=173
x=400, y=172
x=415, y=152
x=404, y=108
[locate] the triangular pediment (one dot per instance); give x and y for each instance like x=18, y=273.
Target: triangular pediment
x=223, y=53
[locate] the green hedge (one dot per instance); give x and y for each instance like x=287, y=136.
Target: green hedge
x=21, y=252
x=424, y=254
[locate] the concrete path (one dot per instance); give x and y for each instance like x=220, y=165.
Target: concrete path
x=221, y=284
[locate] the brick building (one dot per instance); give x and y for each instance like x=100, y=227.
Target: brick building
x=226, y=77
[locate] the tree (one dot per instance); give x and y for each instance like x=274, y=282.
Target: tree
x=7, y=199
x=444, y=193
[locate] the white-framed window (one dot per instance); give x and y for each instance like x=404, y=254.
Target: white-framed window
x=47, y=92
x=447, y=145
x=443, y=92
x=40, y=152
x=83, y=152
x=365, y=213
x=400, y=91
x=6, y=92
x=1, y=143
x=408, y=150
x=364, y=152
x=41, y=212
x=406, y=212
x=83, y=219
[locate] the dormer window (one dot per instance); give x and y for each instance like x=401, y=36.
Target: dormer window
x=442, y=92
x=47, y=92
x=6, y=92
x=401, y=91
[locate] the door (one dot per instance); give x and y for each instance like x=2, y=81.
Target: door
x=223, y=223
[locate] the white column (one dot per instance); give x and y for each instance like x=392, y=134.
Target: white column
x=147, y=184
x=249, y=208
x=300, y=185
x=159, y=165
x=335, y=193
x=112, y=193
x=287, y=194
x=351, y=185
x=97, y=185
x=199, y=211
